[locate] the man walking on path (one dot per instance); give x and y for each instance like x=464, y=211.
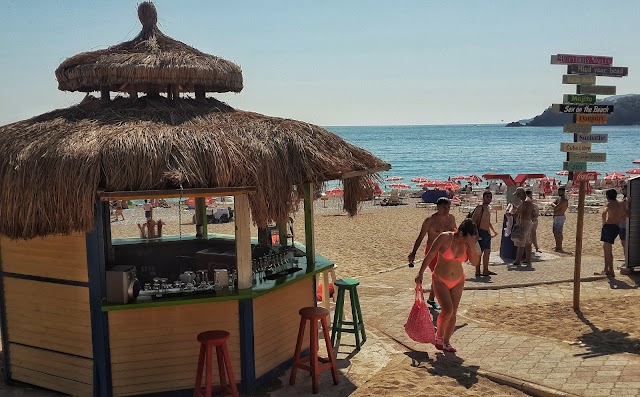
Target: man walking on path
x=440, y=221
x=482, y=219
x=614, y=212
x=560, y=206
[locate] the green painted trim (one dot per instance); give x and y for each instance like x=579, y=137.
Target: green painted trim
x=321, y=264
x=308, y=226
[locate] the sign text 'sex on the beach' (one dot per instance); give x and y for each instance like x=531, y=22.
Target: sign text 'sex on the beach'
x=591, y=109
x=591, y=157
x=575, y=147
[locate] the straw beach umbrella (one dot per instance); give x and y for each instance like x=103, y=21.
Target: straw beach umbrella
x=54, y=164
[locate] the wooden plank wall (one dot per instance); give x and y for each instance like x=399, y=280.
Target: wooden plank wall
x=48, y=323
x=155, y=349
x=61, y=257
x=275, y=324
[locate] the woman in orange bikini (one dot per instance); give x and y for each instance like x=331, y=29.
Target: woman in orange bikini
x=447, y=278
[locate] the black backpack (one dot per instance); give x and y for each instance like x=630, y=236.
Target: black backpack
x=470, y=214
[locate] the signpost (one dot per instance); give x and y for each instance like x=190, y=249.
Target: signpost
x=589, y=109
x=582, y=70
x=592, y=157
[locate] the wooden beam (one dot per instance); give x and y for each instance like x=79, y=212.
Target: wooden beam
x=243, y=241
x=308, y=228
x=174, y=193
x=201, y=217
x=352, y=174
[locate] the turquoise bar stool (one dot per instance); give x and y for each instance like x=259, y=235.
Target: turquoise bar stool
x=356, y=325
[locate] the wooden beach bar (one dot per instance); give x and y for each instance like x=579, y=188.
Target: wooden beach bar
x=84, y=313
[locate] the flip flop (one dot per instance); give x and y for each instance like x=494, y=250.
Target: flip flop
x=490, y=273
x=448, y=348
x=438, y=344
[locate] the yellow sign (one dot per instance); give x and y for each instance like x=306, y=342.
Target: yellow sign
x=575, y=147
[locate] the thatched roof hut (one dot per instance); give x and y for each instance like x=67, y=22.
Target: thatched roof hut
x=53, y=165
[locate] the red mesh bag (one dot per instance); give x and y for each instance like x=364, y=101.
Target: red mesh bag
x=419, y=325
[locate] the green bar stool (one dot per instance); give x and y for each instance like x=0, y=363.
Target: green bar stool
x=356, y=324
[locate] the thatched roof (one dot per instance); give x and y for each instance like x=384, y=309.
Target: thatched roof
x=53, y=165
x=152, y=62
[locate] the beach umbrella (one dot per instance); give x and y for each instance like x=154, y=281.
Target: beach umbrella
x=163, y=130
x=548, y=179
x=615, y=175
x=336, y=191
x=474, y=178
x=376, y=189
x=634, y=171
x=399, y=186
x=449, y=185
x=562, y=173
x=419, y=179
x=636, y=161
x=595, y=172
x=458, y=178
x=394, y=178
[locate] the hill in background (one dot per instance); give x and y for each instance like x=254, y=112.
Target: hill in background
x=626, y=111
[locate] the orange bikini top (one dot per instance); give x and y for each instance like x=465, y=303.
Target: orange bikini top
x=448, y=254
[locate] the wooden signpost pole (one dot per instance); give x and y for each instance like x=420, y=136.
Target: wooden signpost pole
x=578, y=253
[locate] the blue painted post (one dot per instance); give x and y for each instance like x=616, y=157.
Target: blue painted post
x=247, y=352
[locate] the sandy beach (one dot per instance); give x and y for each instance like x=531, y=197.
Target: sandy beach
x=378, y=238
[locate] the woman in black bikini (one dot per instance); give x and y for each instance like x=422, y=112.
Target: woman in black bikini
x=447, y=278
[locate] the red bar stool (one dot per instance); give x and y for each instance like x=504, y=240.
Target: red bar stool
x=313, y=314
x=208, y=340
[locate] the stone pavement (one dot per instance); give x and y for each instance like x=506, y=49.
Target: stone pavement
x=537, y=365
x=558, y=367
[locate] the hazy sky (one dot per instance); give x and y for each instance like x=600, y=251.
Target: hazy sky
x=330, y=62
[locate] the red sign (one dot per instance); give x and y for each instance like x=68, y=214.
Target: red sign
x=563, y=59
x=585, y=176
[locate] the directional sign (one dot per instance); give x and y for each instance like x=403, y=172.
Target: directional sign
x=585, y=176
x=597, y=89
x=566, y=59
x=591, y=157
x=574, y=167
x=591, y=118
x=593, y=138
x=575, y=98
x=592, y=109
x=577, y=128
x=575, y=147
x=592, y=70
x=578, y=79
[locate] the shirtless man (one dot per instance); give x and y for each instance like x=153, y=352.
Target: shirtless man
x=440, y=221
x=482, y=219
x=560, y=206
x=614, y=212
x=522, y=215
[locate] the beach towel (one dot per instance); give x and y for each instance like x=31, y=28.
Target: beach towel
x=419, y=325
x=509, y=223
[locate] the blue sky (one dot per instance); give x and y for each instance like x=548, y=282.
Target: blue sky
x=342, y=62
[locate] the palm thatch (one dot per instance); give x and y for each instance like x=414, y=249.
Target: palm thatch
x=53, y=164
x=152, y=62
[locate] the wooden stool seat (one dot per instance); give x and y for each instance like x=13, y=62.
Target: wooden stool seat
x=208, y=340
x=316, y=364
x=356, y=325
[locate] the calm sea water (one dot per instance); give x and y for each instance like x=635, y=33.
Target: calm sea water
x=440, y=151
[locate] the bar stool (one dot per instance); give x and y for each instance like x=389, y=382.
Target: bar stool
x=326, y=290
x=348, y=284
x=208, y=340
x=313, y=314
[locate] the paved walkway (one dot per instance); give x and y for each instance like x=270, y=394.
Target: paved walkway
x=537, y=365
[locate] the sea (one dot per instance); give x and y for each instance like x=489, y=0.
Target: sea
x=443, y=151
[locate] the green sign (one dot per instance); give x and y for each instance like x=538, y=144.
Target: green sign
x=577, y=128
x=574, y=166
x=592, y=157
x=576, y=98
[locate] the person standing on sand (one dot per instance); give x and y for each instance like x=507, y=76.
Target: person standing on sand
x=482, y=219
x=522, y=216
x=440, y=221
x=450, y=249
x=148, y=209
x=614, y=212
x=535, y=213
x=560, y=206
